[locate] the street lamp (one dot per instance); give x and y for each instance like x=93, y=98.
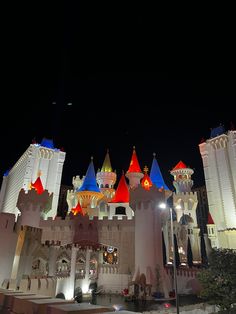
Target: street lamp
x=163, y=206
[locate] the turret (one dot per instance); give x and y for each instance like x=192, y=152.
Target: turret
x=106, y=178
x=119, y=205
x=211, y=231
x=182, y=178
x=187, y=201
x=134, y=173
x=148, y=239
x=34, y=204
x=89, y=194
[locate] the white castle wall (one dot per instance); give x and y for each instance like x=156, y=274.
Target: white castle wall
x=113, y=283
x=186, y=280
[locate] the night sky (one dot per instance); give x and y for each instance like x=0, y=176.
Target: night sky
x=168, y=113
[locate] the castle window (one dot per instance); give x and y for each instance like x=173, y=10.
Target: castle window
x=90, y=227
x=120, y=210
x=107, y=186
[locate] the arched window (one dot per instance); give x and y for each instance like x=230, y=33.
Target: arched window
x=120, y=210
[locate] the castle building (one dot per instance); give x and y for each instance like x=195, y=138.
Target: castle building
x=219, y=163
x=110, y=236
x=185, y=204
x=39, y=159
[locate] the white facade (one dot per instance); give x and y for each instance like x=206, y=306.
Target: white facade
x=219, y=163
x=36, y=160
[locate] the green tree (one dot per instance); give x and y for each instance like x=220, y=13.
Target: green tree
x=218, y=280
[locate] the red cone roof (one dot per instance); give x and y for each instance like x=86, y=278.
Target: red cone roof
x=210, y=221
x=77, y=210
x=37, y=185
x=180, y=165
x=134, y=164
x=122, y=192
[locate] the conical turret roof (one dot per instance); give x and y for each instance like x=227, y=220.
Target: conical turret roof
x=90, y=183
x=210, y=220
x=180, y=165
x=37, y=185
x=122, y=191
x=134, y=164
x=106, y=167
x=156, y=175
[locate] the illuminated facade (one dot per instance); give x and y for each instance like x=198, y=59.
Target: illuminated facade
x=111, y=236
x=219, y=164
x=39, y=159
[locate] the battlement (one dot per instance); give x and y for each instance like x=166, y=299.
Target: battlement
x=30, y=229
x=7, y=222
x=60, y=231
x=185, y=194
x=69, y=218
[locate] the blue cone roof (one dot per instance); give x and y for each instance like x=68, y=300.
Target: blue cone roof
x=90, y=183
x=47, y=143
x=156, y=176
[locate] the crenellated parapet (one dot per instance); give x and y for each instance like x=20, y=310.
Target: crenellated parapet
x=141, y=199
x=80, y=229
x=72, y=199
x=33, y=205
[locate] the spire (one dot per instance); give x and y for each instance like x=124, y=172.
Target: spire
x=37, y=185
x=134, y=164
x=106, y=167
x=156, y=176
x=89, y=183
x=210, y=220
x=146, y=181
x=180, y=165
x=122, y=191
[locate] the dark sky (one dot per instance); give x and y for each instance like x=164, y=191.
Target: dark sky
x=165, y=112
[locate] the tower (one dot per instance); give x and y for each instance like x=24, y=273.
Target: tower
x=211, y=231
x=182, y=178
x=41, y=158
x=33, y=204
x=186, y=212
x=106, y=178
x=89, y=194
x=219, y=163
x=148, y=239
x=119, y=205
x=134, y=173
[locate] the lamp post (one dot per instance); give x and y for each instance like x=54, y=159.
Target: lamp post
x=163, y=206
